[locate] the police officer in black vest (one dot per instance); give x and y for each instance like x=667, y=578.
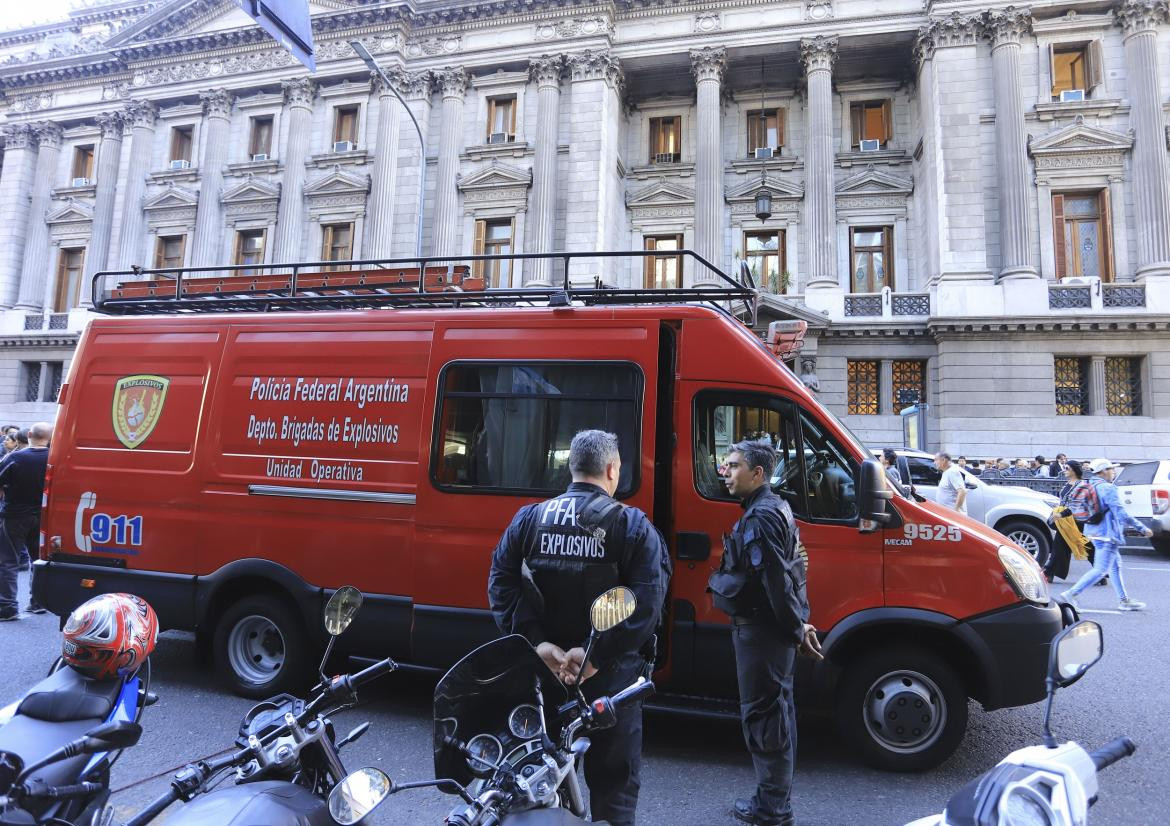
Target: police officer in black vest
x=552, y=562
x=761, y=585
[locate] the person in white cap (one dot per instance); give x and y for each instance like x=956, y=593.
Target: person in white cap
x=1108, y=535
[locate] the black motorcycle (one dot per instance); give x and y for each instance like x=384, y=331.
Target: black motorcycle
x=511, y=756
x=287, y=767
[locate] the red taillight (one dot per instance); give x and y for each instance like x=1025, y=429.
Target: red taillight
x=1160, y=501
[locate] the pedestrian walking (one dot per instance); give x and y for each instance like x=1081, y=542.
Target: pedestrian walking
x=551, y=563
x=1106, y=528
x=760, y=585
x=952, y=487
x=22, y=476
x=890, y=463
x=1069, y=518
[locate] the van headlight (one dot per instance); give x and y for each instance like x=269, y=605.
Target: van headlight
x=1025, y=575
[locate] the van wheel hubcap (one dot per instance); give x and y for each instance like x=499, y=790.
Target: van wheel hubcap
x=905, y=711
x=1026, y=541
x=255, y=649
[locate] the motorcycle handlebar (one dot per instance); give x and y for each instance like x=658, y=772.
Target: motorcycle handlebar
x=1113, y=751
x=638, y=691
x=154, y=809
x=373, y=672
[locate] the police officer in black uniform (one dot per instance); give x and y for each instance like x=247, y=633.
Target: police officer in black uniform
x=554, y=559
x=761, y=585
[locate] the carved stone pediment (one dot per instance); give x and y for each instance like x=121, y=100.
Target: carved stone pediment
x=781, y=190
x=1080, y=137
x=70, y=212
x=172, y=20
x=495, y=176
x=661, y=193
x=871, y=181
x=173, y=197
x=339, y=183
x=250, y=191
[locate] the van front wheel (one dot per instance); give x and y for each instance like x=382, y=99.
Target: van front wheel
x=903, y=708
x=259, y=647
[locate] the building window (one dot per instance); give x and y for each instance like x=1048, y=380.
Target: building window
x=765, y=130
x=864, y=398
x=250, y=249
x=666, y=139
x=68, y=293
x=1072, y=385
x=1076, y=70
x=260, y=142
x=909, y=386
x=56, y=375
x=765, y=256
x=501, y=123
x=871, y=253
x=1081, y=235
x=82, y=164
x=182, y=141
x=663, y=271
x=493, y=237
x=1123, y=386
x=168, y=252
x=345, y=123
x=336, y=243
x=872, y=120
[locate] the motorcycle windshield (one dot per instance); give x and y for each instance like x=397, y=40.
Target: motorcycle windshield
x=501, y=673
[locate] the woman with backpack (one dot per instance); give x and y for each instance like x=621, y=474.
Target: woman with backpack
x=1069, y=518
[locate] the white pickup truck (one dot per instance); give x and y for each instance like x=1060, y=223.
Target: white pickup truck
x=1144, y=490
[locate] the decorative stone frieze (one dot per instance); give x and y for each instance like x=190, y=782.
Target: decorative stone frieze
x=118, y=90
x=575, y=27
x=431, y=46
x=708, y=63
x=818, y=53
x=1136, y=16
x=452, y=82
x=251, y=199
x=818, y=9
x=217, y=103
x=547, y=70
x=1011, y=25
x=708, y=22
x=498, y=186
x=34, y=102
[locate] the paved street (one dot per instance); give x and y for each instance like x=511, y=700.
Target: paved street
x=694, y=769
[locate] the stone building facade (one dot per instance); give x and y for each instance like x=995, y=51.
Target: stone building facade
x=970, y=202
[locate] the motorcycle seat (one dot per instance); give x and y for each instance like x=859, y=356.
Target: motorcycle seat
x=67, y=695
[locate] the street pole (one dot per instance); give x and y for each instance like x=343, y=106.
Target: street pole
x=368, y=59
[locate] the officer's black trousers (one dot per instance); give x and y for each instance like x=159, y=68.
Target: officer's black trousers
x=613, y=764
x=764, y=662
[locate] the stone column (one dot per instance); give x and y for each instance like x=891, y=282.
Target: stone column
x=35, y=265
x=298, y=103
x=708, y=66
x=217, y=110
x=15, y=181
x=819, y=54
x=140, y=115
x=445, y=214
x=109, y=156
x=1005, y=30
x=1097, y=386
x=1139, y=21
x=380, y=227
x=545, y=72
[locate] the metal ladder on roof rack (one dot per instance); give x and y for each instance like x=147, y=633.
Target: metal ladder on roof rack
x=445, y=282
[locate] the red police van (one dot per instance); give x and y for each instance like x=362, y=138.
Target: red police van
x=235, y=448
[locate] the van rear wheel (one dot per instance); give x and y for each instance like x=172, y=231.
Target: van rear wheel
x=903, y=708
x=259, y=647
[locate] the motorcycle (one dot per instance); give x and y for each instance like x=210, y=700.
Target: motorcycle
x=1048, y=785
x=510, y=771
x=287, y=766
x=59, y=741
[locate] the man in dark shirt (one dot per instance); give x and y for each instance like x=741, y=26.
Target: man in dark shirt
x=554, y=559
x=22, y=476
x=760, y=584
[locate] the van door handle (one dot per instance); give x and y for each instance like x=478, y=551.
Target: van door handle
x=692, y=546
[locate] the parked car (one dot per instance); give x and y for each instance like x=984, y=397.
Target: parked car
x=1018, y=513
x=1145, y=493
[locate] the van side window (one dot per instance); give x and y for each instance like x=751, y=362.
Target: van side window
x=830, y=474
x=723, y=419
x=508, y=427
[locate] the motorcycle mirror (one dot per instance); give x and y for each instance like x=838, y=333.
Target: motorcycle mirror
x=112, y=736
x=358, y=794
x=341, y=609
x=1075, y=651
x=612, y=608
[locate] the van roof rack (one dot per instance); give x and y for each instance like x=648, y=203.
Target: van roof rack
x=446, y=282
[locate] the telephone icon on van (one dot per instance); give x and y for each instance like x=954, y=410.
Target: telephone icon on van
x=88, y=502
x=104, y=529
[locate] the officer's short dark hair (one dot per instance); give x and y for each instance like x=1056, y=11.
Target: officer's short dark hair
x=756, y=455
x=1039, y=459
x=591, y=450
x=890, y=455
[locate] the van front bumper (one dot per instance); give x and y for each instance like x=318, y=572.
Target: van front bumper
x=1020, y=637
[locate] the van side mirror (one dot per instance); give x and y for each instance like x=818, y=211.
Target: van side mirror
x=1074, y=651
x=872, y=495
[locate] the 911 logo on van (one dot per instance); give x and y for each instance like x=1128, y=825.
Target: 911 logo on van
x=116, y=534
x=138, y=404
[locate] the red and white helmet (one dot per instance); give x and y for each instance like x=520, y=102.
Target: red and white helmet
x=110, y=636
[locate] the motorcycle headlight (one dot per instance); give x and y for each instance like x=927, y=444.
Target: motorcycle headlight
x=1024, y=806
x=1025, y=575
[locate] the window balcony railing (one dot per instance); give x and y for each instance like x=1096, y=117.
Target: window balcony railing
x=1123, y=295
x=886, y=303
